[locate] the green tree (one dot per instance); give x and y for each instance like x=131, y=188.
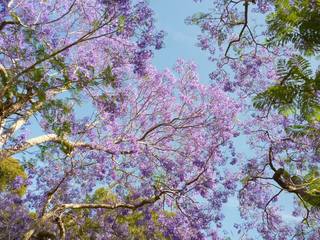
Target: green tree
x=10, y=170
x=296, y=22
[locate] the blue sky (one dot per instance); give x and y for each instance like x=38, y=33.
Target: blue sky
x=181, y=39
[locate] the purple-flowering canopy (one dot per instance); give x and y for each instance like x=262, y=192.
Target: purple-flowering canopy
x=116, y=149
x=258, y=48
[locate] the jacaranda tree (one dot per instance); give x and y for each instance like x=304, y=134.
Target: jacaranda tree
x=260, y=48
x=96, y=143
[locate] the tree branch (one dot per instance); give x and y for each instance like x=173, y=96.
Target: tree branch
x=28, y=144
x=266, y=206
x=81, y=39
x=5, y=153
x=26, y=115
x=58, y=210
x=245, y=24
x=61, y=227
x=58, y=18
x=5, y=23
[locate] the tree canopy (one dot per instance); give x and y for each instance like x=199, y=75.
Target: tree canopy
x=271, y=66
x=97, y=143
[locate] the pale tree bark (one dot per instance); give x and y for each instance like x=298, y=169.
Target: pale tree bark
x=7, y=132
x=56, y=213
x=5, y=153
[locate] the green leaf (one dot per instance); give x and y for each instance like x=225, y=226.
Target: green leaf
x=66, y=147
x=121, y=23
x=286, y=111
x=41, y=95
x=10, y=168
x=107, y=76
x=295, y=22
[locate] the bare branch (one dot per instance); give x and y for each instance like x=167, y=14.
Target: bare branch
x=58, y=18
x=271, y=159
x=245, y=24
x=307, y=209
x=51, y=193
x=266, y=206
x=155, y=127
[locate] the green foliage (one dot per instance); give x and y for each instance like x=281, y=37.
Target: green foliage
x=296, y=22
x=108, y=77
x=295, y=93
x=66, y=147
x=312, y=183
x=90, y=223
x=140, y=231
x=10, y=169
x=121, y=23
x=102, y=195
x=52, y=110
